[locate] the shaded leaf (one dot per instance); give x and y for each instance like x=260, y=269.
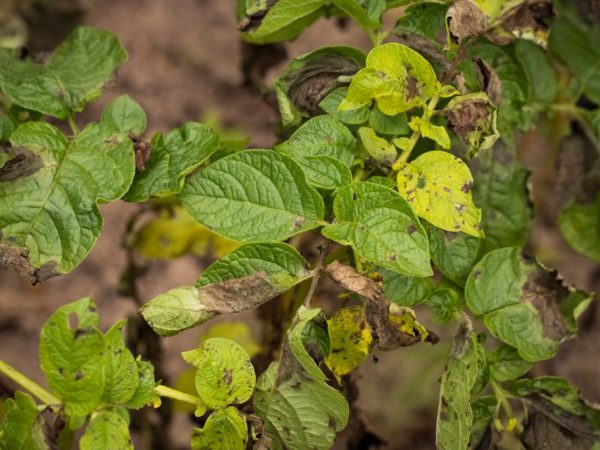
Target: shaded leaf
x=253, y=195
x=381, y=227
x=225, y=429
x=144, y=394
x=73, y=76
x=21, y=426
x=445, y=303
x=579, y=224
x=330, y=105
x=404, y=290
x=390, y=125
x=296, y=341
x=506, y=364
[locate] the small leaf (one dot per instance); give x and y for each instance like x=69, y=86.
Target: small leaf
x=389, y=125
x=21, y=425
x=330, y=105
x=506, y=364
x=253, y=195
x=107, y=429
x=455, y=416
x=296, y=335
x=72, y=356
x=404, y=290
x=396, y=77
x=579, y=224
x=49, y=218
x=378, y=148
x=436, y=133
x=173, y=157
x=121, y=379
x=360, y=15
x=444, y=304
x=126, y=114
x=542, y=76
x=381, y=227
x=225, y=429
x=225, y=374
x=422, y=22
x=325, y=149
x=438, y=187
x=144, y=393
x=454, y=254
x=73, y=76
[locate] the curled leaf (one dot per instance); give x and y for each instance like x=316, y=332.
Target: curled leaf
x=464, y=19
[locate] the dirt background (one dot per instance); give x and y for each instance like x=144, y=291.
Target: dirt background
x=184, y=63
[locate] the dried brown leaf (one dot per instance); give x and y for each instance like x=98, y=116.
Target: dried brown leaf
x=465, y=19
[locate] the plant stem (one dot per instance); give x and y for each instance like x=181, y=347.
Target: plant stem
x=427, y=113
x=501, y=396
x=73, y=125
x=165, y=391
x=323, y=250
x=28, y=384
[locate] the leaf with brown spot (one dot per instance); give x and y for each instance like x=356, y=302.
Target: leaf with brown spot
x=464, y=19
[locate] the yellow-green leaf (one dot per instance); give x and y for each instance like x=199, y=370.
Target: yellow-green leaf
x=377, y=147
x=225, y=429
x=350, y=340
x=438, y=187
x=436, y=133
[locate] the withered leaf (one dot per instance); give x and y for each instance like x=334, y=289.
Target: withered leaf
x=15, y=259
x=464, y=19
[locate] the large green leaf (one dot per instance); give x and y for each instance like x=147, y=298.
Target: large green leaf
x=455, y=416
x=121, y=379
x=21, y=427
x=540, y=73
x=423, y=20
x=73, y=76
x=72, y=356
x=107, y=429
x=438, y=187
x=225, y=429
x=579, y=224
x=381, y=227
x=523, y=304
x=352, y=117
x=404, y=290
x=325, y=149
x=254, y=195
x=250, y=275
x=49, y=219
x=300, y=412
x=282, y=21
x=173, y=157
x=454, y=254
x=501, y=192
x=360, y=14
x=397, y=77
x=224, y=375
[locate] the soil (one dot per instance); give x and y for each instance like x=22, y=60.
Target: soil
x=184, y=64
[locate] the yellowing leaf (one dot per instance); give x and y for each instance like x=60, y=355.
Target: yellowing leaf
x=438, y=187
x=350, y=340
x=406, y=322
x=396, y=77
x=434, y=132
x=236, y=331
x=377, y=147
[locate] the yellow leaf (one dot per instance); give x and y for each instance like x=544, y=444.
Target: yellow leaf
x=438, y=187
x=350, y=340
x=236, y=331
x=406, y=321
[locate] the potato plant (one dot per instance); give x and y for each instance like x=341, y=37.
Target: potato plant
x=396, y=177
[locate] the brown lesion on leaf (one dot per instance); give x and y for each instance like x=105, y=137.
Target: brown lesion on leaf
x=468, y=117
x=534, y=15
x=142, y=150
x=22, y=164
x=412, y=88
x=16, y=260
x=464, y=19
x=386, y=334
x=253, y=21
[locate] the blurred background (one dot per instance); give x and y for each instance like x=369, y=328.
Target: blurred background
x=185, y=63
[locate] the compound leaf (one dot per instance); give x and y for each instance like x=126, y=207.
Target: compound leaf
x=254, y=195
x=381, y=227
x=173, y=157
x=225, y=429
x=49, y=219
x=72, y=356
x=438, y=187
x=73, y=76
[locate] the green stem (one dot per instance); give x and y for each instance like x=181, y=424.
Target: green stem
x=73, y=125
x=427, y=113
x=28, y=384
x=501, y=396
x=165, y=391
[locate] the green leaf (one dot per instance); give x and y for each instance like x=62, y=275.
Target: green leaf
x=378, y=148
x=283, y=21
x=360, y=15
x=296, y=335
x=483, y=413
x=540, y=73
x=173, y=157
x=107, y=429
x=396, y=77
x=225, y=429
x=300, y=412
x=21, y=427
x=325, y=149
x=579, y=224
x=250, y=275
x=330, y=105
x=438, y=187
x=454, y=254
x=436, y=133
x=225, y=374
x=121, y=379
x=49, y=218
x=506, y=364
x=350, y=340
x=390, y=125
x=381, y=227
x=72, y=356
x=501, y=192
x=310, y=77
x=404, y=290
x=523, y=304
x=6, y=129
x=144, y=393
x=425, y=19
x=576, y=45
x=254, y=195
x=455, y=416
x=73, y=76
x=126, y=114
x=444, y=304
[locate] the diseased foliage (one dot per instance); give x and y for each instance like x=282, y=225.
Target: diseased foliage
x=402, y=163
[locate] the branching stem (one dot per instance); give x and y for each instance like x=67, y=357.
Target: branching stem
x=427, y=113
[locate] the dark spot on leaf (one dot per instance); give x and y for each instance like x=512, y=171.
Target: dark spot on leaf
x=298, y=222
x=410, y=229
x=142, y=150
x=78, y=375
x=227, y=377
x=466, y=188
x=421, y=182
x=16, y=260
x=412, y=88
x=332, y=423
